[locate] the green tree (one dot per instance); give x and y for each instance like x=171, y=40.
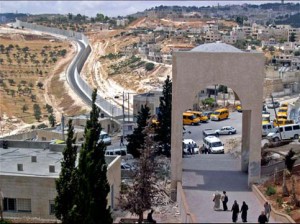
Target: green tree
x=40, y=85
x=66, y=184
x=293, y=37
x=149, y=66
x=137, y=138
x=37, y=112
x=140, y=197
x=163, y=130
x=91, y=202
x=52, y=120
x=297, y=53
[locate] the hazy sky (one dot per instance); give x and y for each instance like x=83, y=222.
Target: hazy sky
x=109, y=8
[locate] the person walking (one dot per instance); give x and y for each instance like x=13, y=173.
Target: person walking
x=121, y=140
x=244, y=210
x=217, y=201
x=262, y=219
x=224, y=201
x=150, y=218
x=235, y=211
x=267, y=207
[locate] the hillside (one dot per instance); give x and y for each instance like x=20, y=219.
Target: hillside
x=31, y=77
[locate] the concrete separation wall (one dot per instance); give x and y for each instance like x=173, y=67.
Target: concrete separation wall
x=278, y=216
x=23, y=136
x=26, y=144
x=107, y=107
x=186, y=215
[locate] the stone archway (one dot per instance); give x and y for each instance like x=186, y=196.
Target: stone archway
x=210, y=64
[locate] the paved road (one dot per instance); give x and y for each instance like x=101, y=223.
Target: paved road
x=204, y=174
x=235, y=120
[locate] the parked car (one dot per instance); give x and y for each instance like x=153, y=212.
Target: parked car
x=239, y=108
x=207, y=113
x=271, y=105
x=226, y=130
x=208, y=132
x=185, y=144
x=265, y=112
x=212, y=144
x=105, y=138
x=126, y=166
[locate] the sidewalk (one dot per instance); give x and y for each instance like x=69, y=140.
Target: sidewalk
x=205, y=174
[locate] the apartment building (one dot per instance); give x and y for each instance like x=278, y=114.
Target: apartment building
x=27, y=180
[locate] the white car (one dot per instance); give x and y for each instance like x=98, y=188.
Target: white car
x=185, y=144
x=226, y=130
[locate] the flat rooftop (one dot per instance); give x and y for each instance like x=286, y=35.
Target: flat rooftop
x=11, y=157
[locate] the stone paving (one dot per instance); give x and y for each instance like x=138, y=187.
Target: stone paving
x=205, y=174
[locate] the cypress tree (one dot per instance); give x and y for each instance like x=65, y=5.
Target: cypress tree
x=66, y=184
x=163, y=130
x=137, y=139
x=92, y=180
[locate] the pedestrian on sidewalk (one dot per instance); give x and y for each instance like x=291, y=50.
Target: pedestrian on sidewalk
x=267, y=207
x=244, y=210
x=150, y=218
x=122, y=141
x=224, y=199
x=262, y=219
x=217, y=201
x=235, y=211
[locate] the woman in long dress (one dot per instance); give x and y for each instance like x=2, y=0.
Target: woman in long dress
x=217, y=200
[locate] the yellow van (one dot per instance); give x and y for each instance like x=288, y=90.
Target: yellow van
x=285, y=105
x=265, y=118
x=281, y=122
x=199, y=114
x=220, y=114
x=282, y=111
x=239, y=108
x=190, y=119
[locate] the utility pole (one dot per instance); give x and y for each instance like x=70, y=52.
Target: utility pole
x=128, y=106
x=215, y=95
x=63, y=126
x=276, y=118
x=123, y=114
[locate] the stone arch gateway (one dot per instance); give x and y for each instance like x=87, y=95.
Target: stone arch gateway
x=210, y=64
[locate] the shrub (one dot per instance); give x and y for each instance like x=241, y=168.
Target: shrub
x=4, y=222
x=270, y=190
x=42, y=126
x=149, y=66
x=208, y=101
x=279, y=201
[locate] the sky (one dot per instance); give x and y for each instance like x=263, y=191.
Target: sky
x=108, y=8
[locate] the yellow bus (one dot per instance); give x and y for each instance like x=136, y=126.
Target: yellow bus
x=265, y=118
x=190, y=119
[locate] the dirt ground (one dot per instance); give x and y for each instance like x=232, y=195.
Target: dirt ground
x=283, y=204
x=55, y=91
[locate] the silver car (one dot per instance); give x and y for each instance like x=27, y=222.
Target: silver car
x=226, y=130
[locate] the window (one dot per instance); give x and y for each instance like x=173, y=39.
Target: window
x=296, y=127
x=51, y=207
x=24, y=205
x=288, y=128
x=17, y=205
x=44, y=139
x=9, y=204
